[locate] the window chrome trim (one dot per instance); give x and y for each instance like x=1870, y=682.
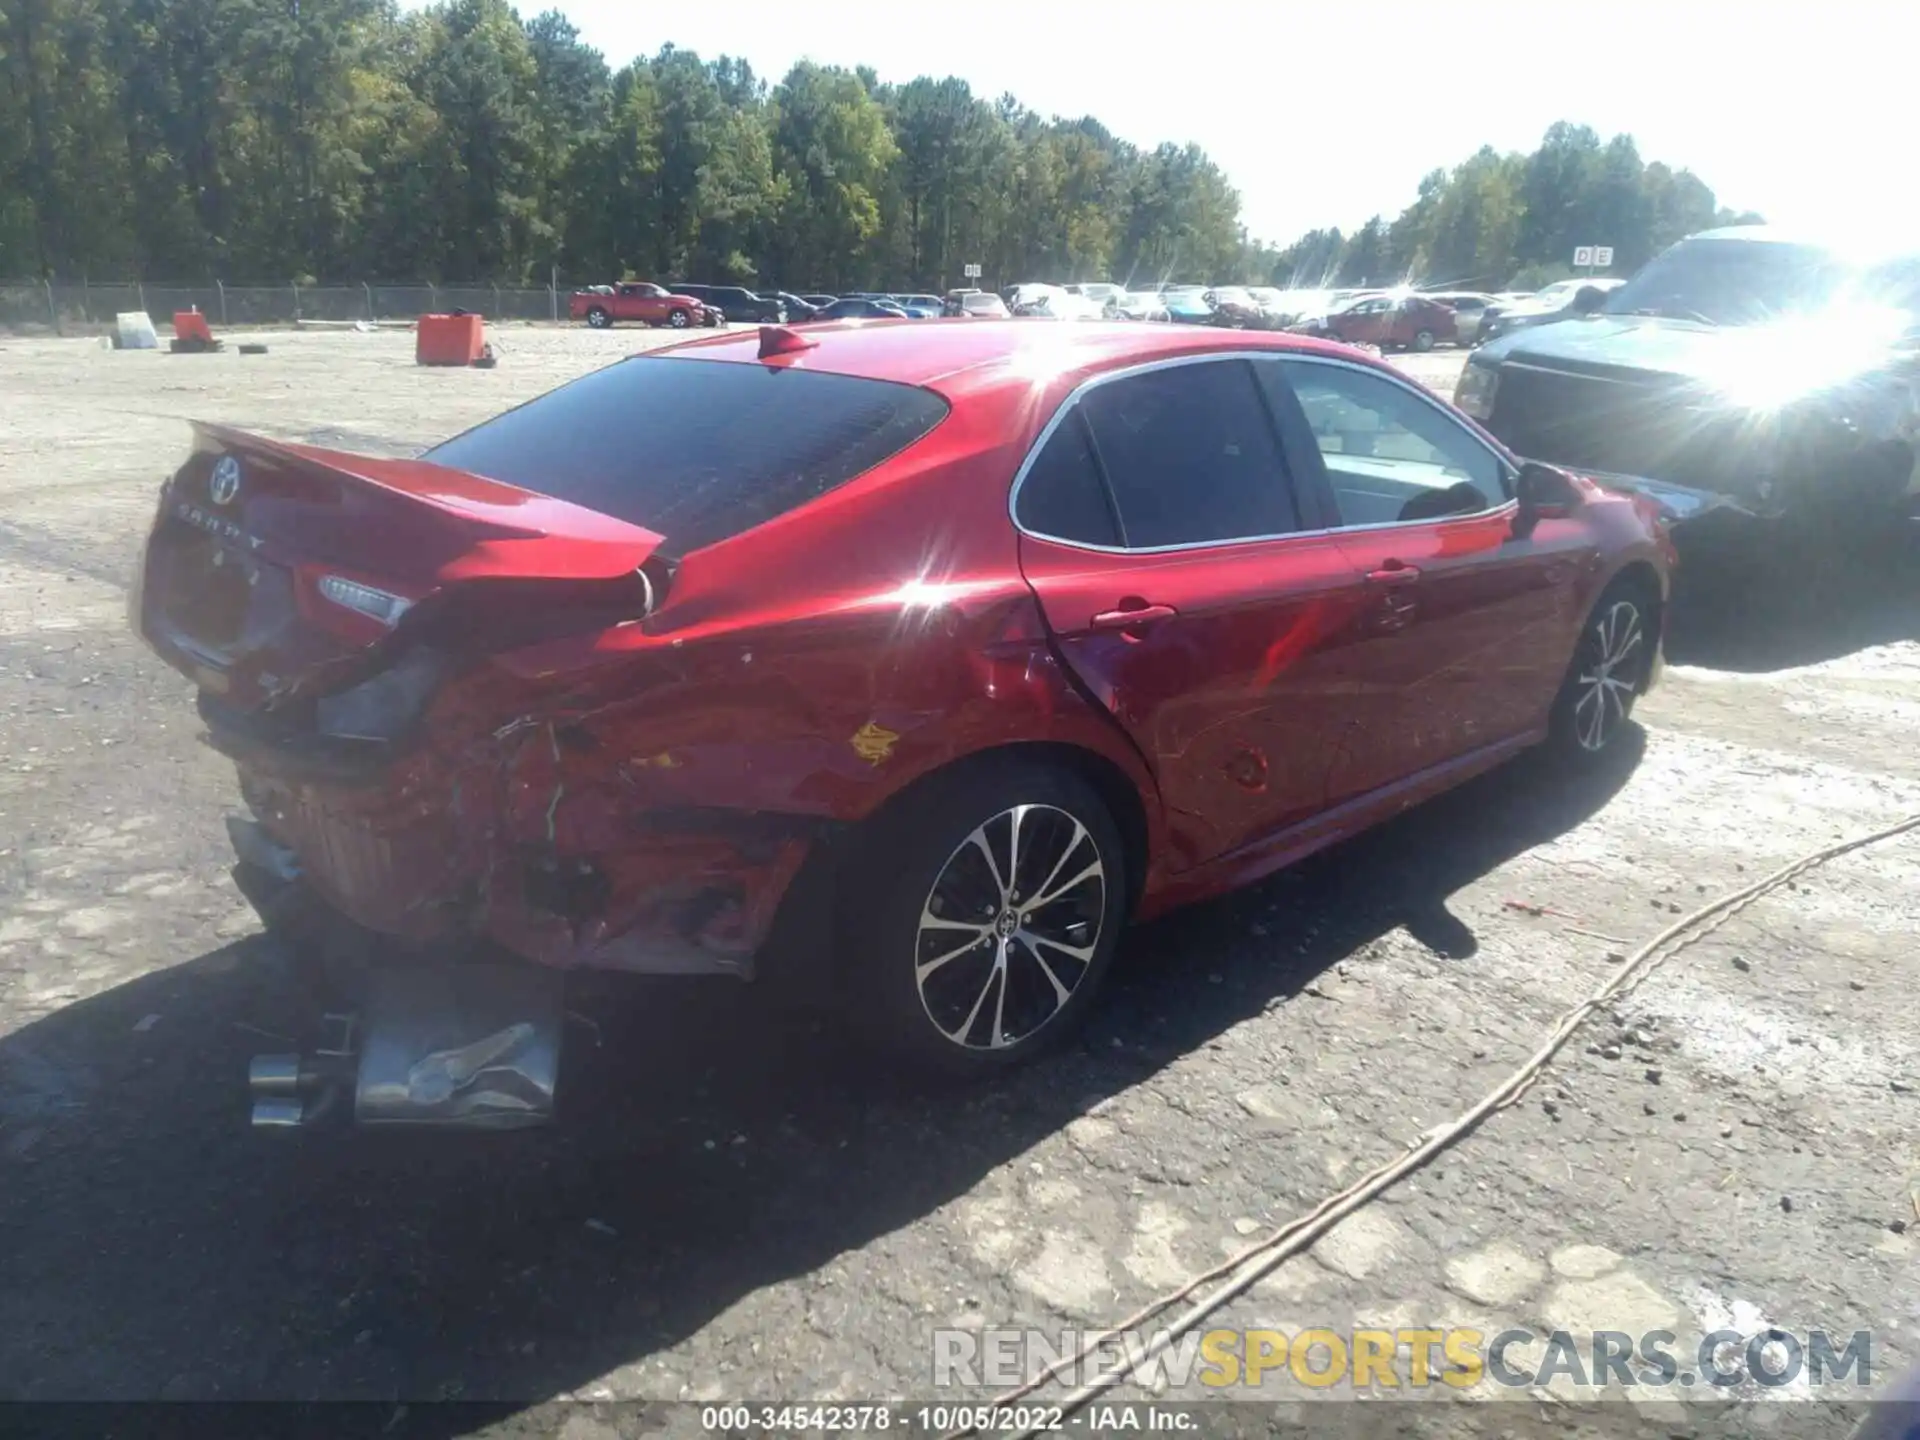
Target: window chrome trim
x=1093, y=382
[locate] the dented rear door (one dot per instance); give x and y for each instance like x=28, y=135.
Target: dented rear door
x=1223, y=659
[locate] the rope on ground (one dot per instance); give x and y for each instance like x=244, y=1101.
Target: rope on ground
x=1267, y=1255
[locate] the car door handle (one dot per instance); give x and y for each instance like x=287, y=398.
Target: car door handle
x=1393, y=573
x=1129, y=616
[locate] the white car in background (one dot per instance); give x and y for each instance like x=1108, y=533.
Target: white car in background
x=1053, y=302
x=1099, y=292
x=1138, y=305
x=1469, y=310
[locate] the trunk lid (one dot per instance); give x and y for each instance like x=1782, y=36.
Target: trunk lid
x=267, y=561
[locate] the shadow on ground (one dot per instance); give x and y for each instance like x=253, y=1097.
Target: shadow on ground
x=1738, y=606
x=151, y=1246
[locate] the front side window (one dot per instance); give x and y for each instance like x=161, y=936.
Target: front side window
x=1391, y=456
x=1190, y=455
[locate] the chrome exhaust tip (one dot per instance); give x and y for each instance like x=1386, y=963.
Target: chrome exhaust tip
x=275, y=1113
x=274, y=1075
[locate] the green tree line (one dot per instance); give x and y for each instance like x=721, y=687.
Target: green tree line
x=1515, y=220
x=325, y=139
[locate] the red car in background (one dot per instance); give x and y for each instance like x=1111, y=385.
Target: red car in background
x=1391, y=321
x=648, y=304
x=979, y=642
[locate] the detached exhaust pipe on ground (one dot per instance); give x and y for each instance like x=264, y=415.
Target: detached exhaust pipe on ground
x=289, y=1091
x=441, y=1046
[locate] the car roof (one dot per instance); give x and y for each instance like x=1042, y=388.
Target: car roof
x=970, y=357
x=1774, y=234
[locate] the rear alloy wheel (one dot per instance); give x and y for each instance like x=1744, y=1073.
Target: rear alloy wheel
x=598, y=318
x=1001, y=898
x=677, y=319
x=1609, y=669
x=1423, y=341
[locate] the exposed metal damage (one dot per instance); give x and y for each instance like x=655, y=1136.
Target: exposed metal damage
x=443, y=1044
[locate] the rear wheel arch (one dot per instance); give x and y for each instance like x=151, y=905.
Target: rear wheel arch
x=812, y=909
x=1116, y=789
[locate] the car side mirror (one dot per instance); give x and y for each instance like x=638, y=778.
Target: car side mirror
x=1588, y=298
x=1543, y=493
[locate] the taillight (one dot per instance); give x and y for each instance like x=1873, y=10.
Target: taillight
x=374, y=603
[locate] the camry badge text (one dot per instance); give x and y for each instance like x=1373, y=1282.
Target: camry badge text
x=215, y=526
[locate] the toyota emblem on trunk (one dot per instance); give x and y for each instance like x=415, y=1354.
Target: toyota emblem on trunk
x=225, y=483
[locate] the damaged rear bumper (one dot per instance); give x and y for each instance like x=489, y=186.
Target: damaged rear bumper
x=686, y=893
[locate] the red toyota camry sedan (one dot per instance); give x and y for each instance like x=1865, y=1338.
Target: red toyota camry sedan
x=968, y=643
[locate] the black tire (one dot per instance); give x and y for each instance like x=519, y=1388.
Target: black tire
x=1609, y=669
x=1423, y=341
x=598, y=318
x=678, y=319
x=989, y=1005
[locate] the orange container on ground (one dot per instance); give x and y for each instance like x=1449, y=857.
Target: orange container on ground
x=450, y=339
x=191, y=325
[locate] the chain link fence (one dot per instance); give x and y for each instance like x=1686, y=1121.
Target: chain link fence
x=81, y=306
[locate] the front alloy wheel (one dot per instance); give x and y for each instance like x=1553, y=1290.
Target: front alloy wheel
x=1609, y=669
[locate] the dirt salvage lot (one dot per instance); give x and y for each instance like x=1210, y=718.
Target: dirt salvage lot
x=729, y=1211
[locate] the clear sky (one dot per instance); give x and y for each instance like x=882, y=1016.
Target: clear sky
x=1324, y=114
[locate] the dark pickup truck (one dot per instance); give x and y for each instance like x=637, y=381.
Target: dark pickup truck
x=1741, y=370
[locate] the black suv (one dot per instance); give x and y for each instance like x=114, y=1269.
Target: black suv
x=1740, y=372
x=736, y=303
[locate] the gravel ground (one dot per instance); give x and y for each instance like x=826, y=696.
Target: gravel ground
x=731, y=1210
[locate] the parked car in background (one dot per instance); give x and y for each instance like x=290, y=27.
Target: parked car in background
x=1100, y=292
x=1276, y=312
x=1205, y=603
x=1469, y=309
x=738, y=304
x=919, y=307
x=1138, y=305
x=859, y=307
x=982, y=305
x=1305, y=305
x=798, y=307
x=1744, y=372
x=1188, y=305
x=1398, y=321
x=640, y=302
x=1052, y=302
x=1557, y=302
x=819, y=301
x=1235, y=307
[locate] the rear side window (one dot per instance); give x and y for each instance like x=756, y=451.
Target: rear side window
x=1191, y=456
x=1063, y=496
x=697, y=451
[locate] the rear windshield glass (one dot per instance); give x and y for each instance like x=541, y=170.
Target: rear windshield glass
x=696, y=450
